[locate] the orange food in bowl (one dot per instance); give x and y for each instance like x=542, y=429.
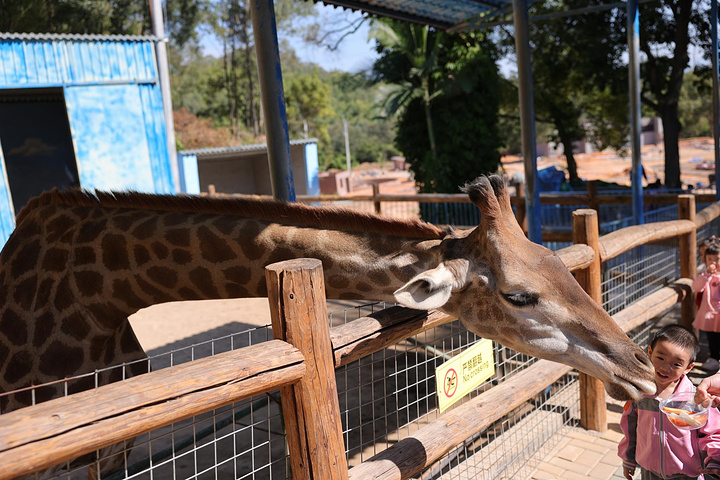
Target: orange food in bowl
x=689, y=418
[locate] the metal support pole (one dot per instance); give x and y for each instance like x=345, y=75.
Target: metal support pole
x=527, y=119
x=633, y=39
x=164, y=77
x=716, y=93
x=273, y=99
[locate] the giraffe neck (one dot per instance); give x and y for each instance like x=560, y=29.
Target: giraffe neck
x=71, y=275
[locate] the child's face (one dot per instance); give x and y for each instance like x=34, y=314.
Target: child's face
x=711, y=259
x=671, y=361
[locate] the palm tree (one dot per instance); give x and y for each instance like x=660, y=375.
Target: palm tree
x=409, y=65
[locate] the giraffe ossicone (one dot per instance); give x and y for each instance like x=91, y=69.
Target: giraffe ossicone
x=79, y=263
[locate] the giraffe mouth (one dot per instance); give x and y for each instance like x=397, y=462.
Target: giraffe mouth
x=625, y=389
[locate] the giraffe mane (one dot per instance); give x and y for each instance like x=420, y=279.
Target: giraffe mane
x=240, y=206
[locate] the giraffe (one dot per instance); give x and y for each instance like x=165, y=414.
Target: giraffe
x=79, y=263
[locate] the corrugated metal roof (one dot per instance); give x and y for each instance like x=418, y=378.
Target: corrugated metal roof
x=442, y=14
x=205, y=152
x=78, y=37
x=32, y=60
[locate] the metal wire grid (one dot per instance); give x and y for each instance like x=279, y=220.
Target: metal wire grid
x=514, y=446
x=638, y=272
x=391, y=395
x=245, y=440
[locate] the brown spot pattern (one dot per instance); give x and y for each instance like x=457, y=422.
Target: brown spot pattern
x=19, y=366
x=61, y=360
x=202, y=279
x=213, y=248
x=163, y=276
x=75, y=326
x=26, y=258
x=44, y=325
x=25, y=293
x=13, y=327
x=115, y=252
x=84, y=256
x=145, y=229
x=89, y=282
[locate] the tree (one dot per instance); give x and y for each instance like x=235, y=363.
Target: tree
x=565, y=55
x=667, y=29
x=413, y=48
x=444, y=86
x=695, y=109
x=308, y=105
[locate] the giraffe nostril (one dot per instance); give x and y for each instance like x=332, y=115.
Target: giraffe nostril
x=644, y=359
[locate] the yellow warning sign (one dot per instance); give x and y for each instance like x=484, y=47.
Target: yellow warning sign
x=464, y=373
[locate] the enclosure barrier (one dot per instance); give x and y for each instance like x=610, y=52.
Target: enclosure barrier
x=382, y=204
x=38, y=437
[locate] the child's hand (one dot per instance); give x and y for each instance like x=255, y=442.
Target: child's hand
x=712, y=268
x=629, y=472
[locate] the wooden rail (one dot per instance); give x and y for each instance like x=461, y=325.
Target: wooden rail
x=545, y=198
x=44, y=435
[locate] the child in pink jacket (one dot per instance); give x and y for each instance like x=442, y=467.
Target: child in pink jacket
x=707, y=283
x=662, y=450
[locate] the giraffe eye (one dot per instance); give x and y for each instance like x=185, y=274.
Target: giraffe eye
x=520, y=299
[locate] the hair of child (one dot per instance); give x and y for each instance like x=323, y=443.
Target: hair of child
x=680, y=336
x=712, y=247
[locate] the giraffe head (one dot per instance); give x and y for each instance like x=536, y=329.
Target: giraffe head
x=505, y=287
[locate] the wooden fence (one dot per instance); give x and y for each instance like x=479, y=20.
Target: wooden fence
x=593, y=198
x=304, y=355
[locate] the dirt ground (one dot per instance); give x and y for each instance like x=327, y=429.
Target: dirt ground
x=611, y=167
x=696, y=163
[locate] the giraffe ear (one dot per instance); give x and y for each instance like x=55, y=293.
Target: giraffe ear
x=430, y=289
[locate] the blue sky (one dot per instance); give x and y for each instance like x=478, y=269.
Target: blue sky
x=355, y=52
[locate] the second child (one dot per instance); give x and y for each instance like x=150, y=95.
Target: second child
x=707, y=284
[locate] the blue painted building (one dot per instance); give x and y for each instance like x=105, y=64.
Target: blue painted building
x=79, y=110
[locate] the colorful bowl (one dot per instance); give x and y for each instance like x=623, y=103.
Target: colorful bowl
x=683, y=412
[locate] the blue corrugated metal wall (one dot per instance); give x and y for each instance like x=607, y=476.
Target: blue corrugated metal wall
x=114, y=107
x=37, y=61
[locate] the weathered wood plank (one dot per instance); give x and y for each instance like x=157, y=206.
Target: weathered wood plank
x=411, y=454
x=367, y=335
x=621, y=241
x=593, y=412
x=576, y=257
x=707, y=214
x=653, y=305
x=39, y=437
x=296, y=293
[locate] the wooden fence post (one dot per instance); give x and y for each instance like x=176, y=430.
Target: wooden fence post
x=376, y=202
x=296, y=292
x=593, y=411
x=688, y=255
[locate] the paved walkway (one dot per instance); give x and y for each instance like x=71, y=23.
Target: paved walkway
x=584, y=454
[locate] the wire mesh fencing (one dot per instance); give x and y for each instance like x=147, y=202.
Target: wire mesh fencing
x=383, y=398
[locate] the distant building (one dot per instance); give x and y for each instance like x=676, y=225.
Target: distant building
x=245, y=169
x=79, y=110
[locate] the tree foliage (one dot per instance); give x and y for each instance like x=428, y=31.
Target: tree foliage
x=308, y=106
x=695, y=108
x=444, y=87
